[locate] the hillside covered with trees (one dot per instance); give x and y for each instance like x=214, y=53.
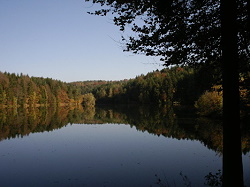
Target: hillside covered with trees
x=24, y=91
x=199, y=87
x=179, y=84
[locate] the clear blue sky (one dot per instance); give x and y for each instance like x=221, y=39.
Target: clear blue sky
x=58, y=39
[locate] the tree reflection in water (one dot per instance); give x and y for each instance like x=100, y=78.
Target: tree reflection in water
x=164, y=121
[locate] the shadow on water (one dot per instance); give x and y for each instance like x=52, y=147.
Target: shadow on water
x=165, y=121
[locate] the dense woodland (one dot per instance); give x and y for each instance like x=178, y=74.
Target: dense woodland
x=182, y=85
x=199, y=87
x=24, y=91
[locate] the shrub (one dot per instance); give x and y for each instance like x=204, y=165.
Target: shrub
x=88, y=100
x=209, y=104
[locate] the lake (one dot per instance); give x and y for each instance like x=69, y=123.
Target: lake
x=111, y=146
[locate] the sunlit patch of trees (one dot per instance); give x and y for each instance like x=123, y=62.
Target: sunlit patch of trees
x=24, y=91
x=88, y=100
x=210, y=104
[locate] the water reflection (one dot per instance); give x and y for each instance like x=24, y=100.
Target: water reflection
x=154, y=120
x=124, y=145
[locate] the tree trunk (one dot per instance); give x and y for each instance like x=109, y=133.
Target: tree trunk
x=232, y=155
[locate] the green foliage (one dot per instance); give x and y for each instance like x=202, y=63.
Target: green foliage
x=24, y=91
x=209, y=104
x=88, y=100
x=181, y=84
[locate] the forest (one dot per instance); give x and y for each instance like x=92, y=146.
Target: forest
x=179, y=85
x=185, y=86
x=24, y=91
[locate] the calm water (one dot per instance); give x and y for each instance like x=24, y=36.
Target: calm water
x=100, y=150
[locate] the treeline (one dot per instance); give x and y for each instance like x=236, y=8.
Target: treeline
x=24, y=91
x=89, y=86
x=199, y=87
x=178, y=84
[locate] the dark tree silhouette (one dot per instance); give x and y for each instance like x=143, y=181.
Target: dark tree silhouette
x=194, y=32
